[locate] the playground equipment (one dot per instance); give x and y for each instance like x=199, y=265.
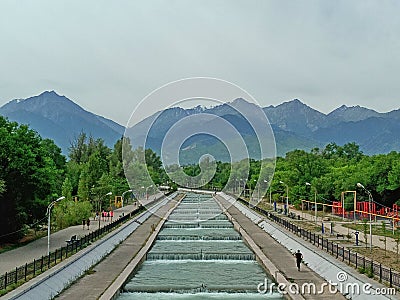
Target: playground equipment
x=361, y=209
x=117, y=202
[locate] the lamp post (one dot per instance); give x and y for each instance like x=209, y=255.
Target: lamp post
x=370, y=216
x=48, y=212
x=258, y=193
x=315, y=201
x=108, y=194
x=287, y=196
x=270, y=193
x=123, y=194
x=147, y=196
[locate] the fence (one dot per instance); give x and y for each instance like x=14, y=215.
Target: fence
x=39, y=265
x=352, y=258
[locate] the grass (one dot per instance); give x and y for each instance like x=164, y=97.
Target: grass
x=376, y=229
x=378, y=255
x=28, y=238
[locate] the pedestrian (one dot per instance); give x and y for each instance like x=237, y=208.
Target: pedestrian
x=83, y=223
x=108, y=216
x=111, y=215
x=103, y=214
x=299, y=258
x=97, y=216
x=88, y=223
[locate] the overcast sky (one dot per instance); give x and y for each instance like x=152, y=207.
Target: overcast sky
x=108, y=55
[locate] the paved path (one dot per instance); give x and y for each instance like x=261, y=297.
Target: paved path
x=17, y=257
x=279, y=255
x=93, y=285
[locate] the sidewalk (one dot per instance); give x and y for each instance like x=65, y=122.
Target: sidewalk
x=17, y=257
x=281, y=258
x=94, y=284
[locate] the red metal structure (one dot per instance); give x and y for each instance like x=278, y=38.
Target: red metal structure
x=363, y=210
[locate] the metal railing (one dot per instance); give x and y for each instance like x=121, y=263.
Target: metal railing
x=346, y=255
x=30, y=270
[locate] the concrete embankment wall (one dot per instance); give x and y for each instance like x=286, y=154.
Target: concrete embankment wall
x=114, y=289
x=264, y=261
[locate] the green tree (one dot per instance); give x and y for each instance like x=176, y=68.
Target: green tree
x=83, y=185
x=68, y=213
x=32, y=166
x=2, y=186
x=66, y=189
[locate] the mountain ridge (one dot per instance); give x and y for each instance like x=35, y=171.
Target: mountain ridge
x=56, y=117
x=295, y=124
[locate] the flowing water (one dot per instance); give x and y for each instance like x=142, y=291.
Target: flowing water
x=198, y=255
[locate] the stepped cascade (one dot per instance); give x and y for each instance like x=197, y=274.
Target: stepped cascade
x=198, y=255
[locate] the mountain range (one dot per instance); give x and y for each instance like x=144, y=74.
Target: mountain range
x=295, y=126
x=60, y=119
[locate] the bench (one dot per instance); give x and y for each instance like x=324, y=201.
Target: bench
x=72, y=240
x=338, y=235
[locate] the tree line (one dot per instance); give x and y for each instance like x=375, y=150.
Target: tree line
x=328, y=172
x=34, y=172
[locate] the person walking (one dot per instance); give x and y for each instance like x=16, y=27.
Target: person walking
x=88, y=223
x=299, y=258
x=83, y=223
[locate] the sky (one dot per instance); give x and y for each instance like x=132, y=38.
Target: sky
x=109, y=55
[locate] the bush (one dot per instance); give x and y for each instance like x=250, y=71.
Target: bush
x=69, y=213
x=369, y=272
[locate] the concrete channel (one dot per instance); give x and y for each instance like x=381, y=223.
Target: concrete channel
x=51, y=283
x=198, y=254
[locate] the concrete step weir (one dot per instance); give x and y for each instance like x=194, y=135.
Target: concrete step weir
x=191, y=261
x=52, y=282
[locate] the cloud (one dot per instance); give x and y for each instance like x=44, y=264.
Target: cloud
x=108, y=55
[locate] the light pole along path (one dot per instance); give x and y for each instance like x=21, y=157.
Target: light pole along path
x=48, y=213
x=50, y=283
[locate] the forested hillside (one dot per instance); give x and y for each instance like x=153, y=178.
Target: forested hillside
x=34, y=172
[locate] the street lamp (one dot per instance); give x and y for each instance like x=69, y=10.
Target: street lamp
x=123, y=194
x=48, y=212
x=108, y=194
x=315, y=201
x=258, y=190
x=370, y=216
x=287, y=196
x=147, y=196
x=270, y=193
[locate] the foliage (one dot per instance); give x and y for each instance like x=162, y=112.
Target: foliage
x=37, y=167
x=31, y=172
x=2, y=186
x=67, y=213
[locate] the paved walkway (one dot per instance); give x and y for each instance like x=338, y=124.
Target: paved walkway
x=279, y=255
x=94, y=284
x=17, y=257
